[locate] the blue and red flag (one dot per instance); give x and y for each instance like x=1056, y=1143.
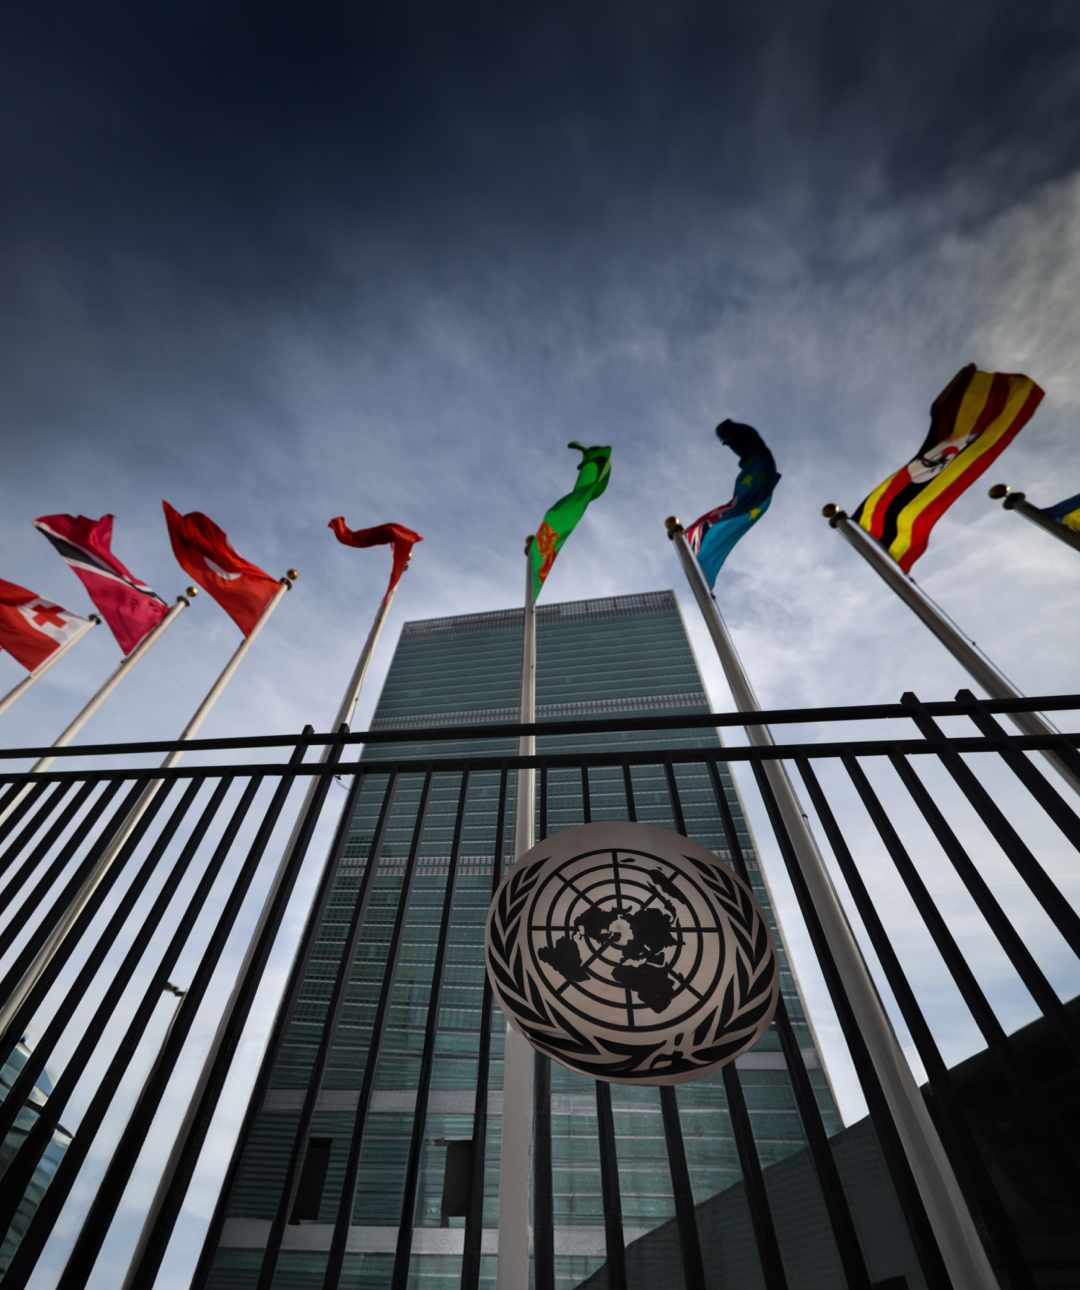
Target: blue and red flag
x=712, y=537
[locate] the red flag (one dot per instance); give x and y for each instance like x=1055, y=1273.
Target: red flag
x=202, y=550
x=32, y=628
x=400, y=538
x=129, y=606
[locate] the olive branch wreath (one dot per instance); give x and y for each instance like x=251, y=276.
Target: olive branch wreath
x=749, y=995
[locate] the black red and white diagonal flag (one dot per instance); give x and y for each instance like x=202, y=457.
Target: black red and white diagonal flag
x=129, y=606
x=32, y=628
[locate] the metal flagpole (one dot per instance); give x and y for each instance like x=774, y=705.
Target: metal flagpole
x=957, y=1237
x=13, y=696
x=126, y=664
x=184, y=1149
x=980, y=668
x=1018, y=502
x=60, y=932
x=512, y=1267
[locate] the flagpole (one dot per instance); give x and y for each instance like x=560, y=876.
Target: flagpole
x=182, y=1154
x=957, y=1237
x=1018, y=502
x=980, y=668
x=126, y=664
x=13, y=696
x=512, y=1266
x=108, y=856
x=125, y=668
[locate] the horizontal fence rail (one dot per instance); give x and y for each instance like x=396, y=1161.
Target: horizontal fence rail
x=141, y=909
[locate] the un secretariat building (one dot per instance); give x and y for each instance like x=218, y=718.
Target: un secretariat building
x=370, y=1157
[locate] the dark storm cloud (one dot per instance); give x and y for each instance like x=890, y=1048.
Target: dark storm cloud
x=231, y=139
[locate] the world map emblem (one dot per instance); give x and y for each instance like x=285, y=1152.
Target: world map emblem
x=631, y=954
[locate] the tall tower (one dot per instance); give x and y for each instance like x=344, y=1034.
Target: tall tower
x=416, y=1144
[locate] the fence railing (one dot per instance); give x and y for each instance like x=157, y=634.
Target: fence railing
x=121, y=977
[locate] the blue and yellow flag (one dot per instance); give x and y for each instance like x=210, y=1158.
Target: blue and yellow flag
x=712, y=537
x=1066, y=512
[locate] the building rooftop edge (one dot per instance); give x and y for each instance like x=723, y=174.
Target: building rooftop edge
x=644, y=602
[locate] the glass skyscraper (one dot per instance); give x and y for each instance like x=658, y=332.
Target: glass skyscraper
x=596, y=658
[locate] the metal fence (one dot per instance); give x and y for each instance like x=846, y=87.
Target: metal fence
x=126, y=912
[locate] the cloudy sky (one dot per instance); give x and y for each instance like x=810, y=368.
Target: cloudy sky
x=281, y=263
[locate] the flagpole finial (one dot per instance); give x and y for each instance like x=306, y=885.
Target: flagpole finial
x=833, y=514
x=531, y=538
x=292, y=574
x=192, y=591
x=95, y=620
x=673, y=526
x=998, y=491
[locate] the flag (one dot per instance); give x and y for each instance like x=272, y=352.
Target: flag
x=130, y=608
x=401, y=540
x=972, y=421
x=32, y=628
x=594, y=471
x=712, y=537
x=205, y=553
x=1066, y=512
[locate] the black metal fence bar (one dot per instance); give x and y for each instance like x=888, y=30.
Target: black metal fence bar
x=49, y=805
x=950, y=1111
x=922, y=1235
x=825, y=1168
x=51, y=970
x=1008, y=937
x=197, y=1125
x=1057, y=807
x=22, y=1265
x=333, y=1015
x=347, y=1201
x=47, y=878
x=1045, y=1130
x=761, y=1219
x=29, y=865
x=400, y=1277
x=610, y=1191
x=43, y=808
x=474, y=1220
x=573, y=726
x=682, y=1192
x=543, y=1197
x=80, y=1263
x=76, y=992
x=1062, y=914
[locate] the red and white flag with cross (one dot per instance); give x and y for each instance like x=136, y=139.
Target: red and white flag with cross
x=33, y=628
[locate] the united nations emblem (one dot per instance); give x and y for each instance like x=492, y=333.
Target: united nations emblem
x=632, y=955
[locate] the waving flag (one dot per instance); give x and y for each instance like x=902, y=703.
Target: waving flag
x=1066, y=512
x=204, y=552
x=594, y=471
x=32, y=628
x=401, y=540
x=972, y=421
x=712, y=537
x=130, y=608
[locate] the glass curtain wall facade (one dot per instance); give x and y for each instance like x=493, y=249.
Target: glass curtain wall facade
x=611, y=657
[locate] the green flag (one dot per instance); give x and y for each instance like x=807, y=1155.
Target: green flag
x=593, y=474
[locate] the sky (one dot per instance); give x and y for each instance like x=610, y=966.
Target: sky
x=282, y=263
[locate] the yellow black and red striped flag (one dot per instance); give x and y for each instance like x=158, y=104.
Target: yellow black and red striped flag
x=972, y=420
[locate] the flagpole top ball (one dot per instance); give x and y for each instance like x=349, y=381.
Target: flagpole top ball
x=999, y=491
x=829, y=510
x=292, y=574
x=192, y=591
x=529, y=541
x=673, y=526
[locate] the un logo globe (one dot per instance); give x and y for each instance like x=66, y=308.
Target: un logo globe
x=631, y=954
